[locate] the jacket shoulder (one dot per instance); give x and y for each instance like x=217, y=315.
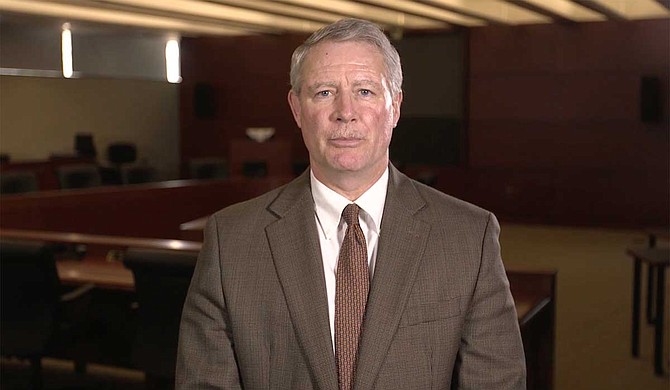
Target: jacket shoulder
x=248, y=209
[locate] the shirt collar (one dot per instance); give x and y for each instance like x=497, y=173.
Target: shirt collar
x=328, y=204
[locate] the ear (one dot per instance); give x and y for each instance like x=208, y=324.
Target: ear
x=397, y=102
x=294, y=102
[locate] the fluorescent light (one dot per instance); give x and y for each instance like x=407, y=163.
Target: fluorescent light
x=496, y=10
x=172, y=61
x=104, y=15
x=284, y=9
x=569, y=10
x=430, y=12
x=638, y=9
x=223, y=12
x=375, y=14
x=66, y=50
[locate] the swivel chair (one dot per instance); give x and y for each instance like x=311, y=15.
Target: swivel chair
x=208, y=168
x=34, y=313
x=79, y=176
x=138, y=174
x=121, y=153
x=162, y=278
x=18, y=182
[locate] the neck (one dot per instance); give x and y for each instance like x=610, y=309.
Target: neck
x=351, y=185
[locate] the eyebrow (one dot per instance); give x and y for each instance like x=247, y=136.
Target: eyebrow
x=366, y=82
x=332, y=84
x=321, y=84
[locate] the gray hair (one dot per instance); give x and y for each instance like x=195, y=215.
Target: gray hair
x=350, y=30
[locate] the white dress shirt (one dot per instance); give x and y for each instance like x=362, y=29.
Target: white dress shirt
x=328, y=207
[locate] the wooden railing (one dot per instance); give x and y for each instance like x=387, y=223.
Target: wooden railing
x=145, y=210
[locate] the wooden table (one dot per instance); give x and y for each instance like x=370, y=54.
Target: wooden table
x=653, y=235
x=193, y=230
x=657, y=259
x=101, y=264
x=533, y=294
x=118, y=242
x=109, y=275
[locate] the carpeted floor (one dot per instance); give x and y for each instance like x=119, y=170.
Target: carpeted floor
x=593, y=316
x=59, y=375
x=594, y=295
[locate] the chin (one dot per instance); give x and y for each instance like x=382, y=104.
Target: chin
x=347, y=164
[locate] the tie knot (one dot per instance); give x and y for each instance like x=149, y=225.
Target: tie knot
x=350, y=214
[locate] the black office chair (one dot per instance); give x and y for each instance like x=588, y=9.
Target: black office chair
x=138, y=174
x=18, y=182
x=34, y=314
x=162, y=278
x=121, y=153
x=84, y=146
x=79, y=176
x=255, y=169
x=208, y=168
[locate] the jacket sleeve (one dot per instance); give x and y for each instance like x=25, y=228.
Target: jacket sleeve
x=491, y=352
x=205, y=355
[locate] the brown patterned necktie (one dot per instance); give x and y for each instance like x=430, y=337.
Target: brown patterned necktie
x=352, y=283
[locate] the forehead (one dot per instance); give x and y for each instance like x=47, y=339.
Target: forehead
x=350, y=55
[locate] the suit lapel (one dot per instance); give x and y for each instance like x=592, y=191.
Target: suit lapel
x=401, y=244
x=297, y=257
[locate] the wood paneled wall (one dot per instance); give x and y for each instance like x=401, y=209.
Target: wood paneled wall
x=555, y=126
x=248, y=80
x=567, y=95
x=554, y=132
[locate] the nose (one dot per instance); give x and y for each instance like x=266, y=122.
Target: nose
x=344, y=108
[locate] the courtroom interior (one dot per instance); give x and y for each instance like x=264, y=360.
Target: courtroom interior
x=124, y=124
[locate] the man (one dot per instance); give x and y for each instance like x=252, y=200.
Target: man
x=411, y=294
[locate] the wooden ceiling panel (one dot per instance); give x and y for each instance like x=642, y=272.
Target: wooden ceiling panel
x=235, y=17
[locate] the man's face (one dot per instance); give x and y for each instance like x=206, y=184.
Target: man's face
x=345, y=109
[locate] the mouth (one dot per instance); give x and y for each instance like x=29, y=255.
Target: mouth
x=345, y=142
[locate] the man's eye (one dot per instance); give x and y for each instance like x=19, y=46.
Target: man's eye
x=365, y=92
x=323, y=93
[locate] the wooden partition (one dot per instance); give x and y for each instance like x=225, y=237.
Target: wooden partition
x=611, y=197
x=148, y=210
x=275, y=155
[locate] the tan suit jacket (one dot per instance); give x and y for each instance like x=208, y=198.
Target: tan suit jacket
x=439, y=314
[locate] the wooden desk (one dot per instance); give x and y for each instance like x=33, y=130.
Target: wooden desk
x=653, y=234
x=534, y=294
x=117, y=242
x=193, y=230
x=658, y=259
x=109, y=275
x=533, y=291
x=101, y=264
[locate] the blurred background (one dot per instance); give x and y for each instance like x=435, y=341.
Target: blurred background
x=124, y=123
